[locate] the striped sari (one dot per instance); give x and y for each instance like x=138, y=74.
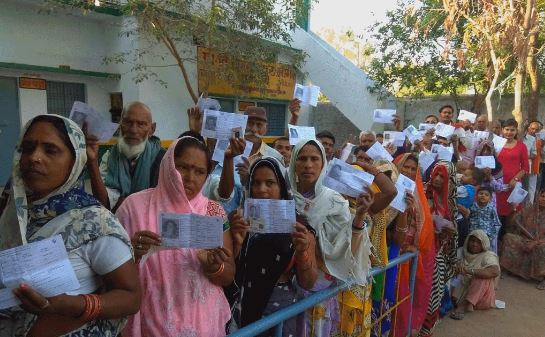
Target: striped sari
x=443, y=204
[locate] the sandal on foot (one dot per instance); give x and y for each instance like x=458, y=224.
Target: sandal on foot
x=457, y=315
x=541, y=285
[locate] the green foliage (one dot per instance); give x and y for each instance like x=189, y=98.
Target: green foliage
x=350, y=45
x=412, y=57
x=248, y=32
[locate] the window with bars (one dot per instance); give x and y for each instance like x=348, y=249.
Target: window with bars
x=276, y=118
x=61, y=96
x=227, y=105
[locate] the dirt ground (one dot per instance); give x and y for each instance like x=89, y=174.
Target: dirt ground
x=523, y=316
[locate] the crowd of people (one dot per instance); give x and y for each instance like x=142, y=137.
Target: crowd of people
x=459, y=220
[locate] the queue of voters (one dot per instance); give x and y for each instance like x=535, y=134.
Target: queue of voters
x=169, y=242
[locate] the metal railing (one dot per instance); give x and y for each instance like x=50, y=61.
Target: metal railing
x=276, y=319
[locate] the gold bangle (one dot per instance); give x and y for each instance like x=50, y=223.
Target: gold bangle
x=402, y=230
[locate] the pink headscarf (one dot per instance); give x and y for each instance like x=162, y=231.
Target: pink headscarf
x=177, y=298
x=168, y=196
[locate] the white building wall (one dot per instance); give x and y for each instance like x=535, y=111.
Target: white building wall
x=34, y=102
x=29, y=36
x=121, y=43
x=81, y=42
x=31, y=104
x=340, y=80
x=169, y=104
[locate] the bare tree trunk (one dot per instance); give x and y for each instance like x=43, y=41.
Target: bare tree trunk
x=535, y=80
x=493, y=83
x=208, y=67
x=520, y=70
x=171, y=46
x=477, y=103
x=519, y=83
x=533, y=74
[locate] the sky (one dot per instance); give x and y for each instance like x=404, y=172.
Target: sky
x=356, y=15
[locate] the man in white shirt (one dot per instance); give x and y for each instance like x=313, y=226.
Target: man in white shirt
x=530, y=142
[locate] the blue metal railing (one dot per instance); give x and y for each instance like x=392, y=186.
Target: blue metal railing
x=276, y=319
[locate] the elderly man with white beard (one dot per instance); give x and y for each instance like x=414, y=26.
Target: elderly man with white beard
x=130, y=166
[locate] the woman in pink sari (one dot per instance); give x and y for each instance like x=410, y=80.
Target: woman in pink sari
x=182, y=291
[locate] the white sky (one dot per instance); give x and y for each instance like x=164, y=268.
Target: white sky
x=356, y=15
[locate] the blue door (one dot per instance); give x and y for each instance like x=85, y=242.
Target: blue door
x=10, y=124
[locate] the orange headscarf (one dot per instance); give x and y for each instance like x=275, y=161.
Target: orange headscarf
x=425, y=232
x=425, y=242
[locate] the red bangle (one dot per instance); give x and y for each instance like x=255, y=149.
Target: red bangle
x=93, y=307
x=218, y=272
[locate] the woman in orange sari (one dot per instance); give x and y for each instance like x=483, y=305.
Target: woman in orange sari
x=420, y=237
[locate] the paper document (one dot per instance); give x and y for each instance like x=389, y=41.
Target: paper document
x=345, y=179
x=220, y=124
x=208, y=103
x=412, y=133
x=393, y=137
x=97, y=125
x=223, y=144
x=246, y=154
x=270, y=216
x=444, y=130
x=499, y=304
x=441, y=223
x=478, y=137
x=298, y=133
x=467, y=116
x=425, y=126
x=219, y=150
x=308, y=95
x=461, y=133
x=425, y=159
x=403, y=185
x=499, y=143
x=443, y=153
x=347, y=152
x=485, y=162
x=384, y=116
x=43, y=265
x=190, y=230
x=517, y=195
x=377, y=151
x=481, y=134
